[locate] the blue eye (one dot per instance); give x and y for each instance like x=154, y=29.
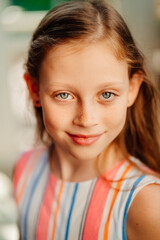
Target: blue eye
x=64, y=96
x=107, y=95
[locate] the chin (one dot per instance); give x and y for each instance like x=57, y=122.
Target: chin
x=85, y=155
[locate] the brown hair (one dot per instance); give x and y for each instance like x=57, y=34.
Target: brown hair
x=92, y=21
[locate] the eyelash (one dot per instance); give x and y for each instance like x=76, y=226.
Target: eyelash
x=110, y=98
x=58, y=96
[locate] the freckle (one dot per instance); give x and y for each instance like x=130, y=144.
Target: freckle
x=137, y=224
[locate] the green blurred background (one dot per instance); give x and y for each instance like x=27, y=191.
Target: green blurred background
x=31, y=5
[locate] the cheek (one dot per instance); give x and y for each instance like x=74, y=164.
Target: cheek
x=50, y=121
x=54, y=117
x=115, y=117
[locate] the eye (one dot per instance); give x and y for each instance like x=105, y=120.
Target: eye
x=64, y=96
x=107, y=96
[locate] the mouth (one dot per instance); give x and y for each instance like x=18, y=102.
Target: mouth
x=84, y=140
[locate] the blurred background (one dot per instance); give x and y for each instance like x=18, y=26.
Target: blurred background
x=18, y=19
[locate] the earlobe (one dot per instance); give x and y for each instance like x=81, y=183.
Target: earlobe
x=134, y=87
x=33, y=89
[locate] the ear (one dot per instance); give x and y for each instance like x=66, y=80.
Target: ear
x=33, y=89
x=134, y=87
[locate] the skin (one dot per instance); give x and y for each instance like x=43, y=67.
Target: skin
x=143, y=217
x=84, y=74
x=97, y=93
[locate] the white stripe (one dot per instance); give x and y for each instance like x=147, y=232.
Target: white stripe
x=28, y=164
x=67, y=204
x=79, y=205
x=118, y=209
x=61, y=220
x=109, y=200
x=36, y=204
x=147, y=180
x=54, y=204
x=23, y=176
x=27, y=191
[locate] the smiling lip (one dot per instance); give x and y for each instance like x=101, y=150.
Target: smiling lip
x=85, y=139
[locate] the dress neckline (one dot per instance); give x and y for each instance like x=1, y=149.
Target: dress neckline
x=107, y=174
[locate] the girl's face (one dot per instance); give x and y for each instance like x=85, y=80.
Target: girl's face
x=84, y=94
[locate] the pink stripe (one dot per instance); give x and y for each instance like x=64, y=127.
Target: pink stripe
x=28, y=171
x=20, y=166
x=46, y=209
x=97, y=204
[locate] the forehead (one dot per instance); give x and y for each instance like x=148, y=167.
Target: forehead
x=77, y=46
x=82, y=60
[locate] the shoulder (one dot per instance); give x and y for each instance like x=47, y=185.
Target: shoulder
x=143, y=217
x=26, y=159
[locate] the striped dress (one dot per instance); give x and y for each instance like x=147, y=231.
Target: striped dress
x=50, y=208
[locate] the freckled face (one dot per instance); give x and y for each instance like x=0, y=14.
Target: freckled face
x=84, y=93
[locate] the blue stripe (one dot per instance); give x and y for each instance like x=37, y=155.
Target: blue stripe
x=35, y=170
x=63, y=212
x=30, y=198
x=123, y=191
x=124, y=237
x=71, y=208
x=28, y=188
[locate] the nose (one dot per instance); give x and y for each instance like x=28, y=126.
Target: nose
x=85, y=116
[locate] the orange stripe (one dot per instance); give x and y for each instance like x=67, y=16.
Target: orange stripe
x=113, y=200
x=19, y=196
x=57, y=209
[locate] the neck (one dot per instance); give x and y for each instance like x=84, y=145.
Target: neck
x=74, y=170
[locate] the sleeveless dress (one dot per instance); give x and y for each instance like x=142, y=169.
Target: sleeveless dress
x=50, y=208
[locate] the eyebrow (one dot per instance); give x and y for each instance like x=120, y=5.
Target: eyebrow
x=59, y=84
x=110, y=84
x=103, y=85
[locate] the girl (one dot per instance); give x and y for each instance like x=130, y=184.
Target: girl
x=97, y=113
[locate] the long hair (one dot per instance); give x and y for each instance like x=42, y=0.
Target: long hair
x=92, y=21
